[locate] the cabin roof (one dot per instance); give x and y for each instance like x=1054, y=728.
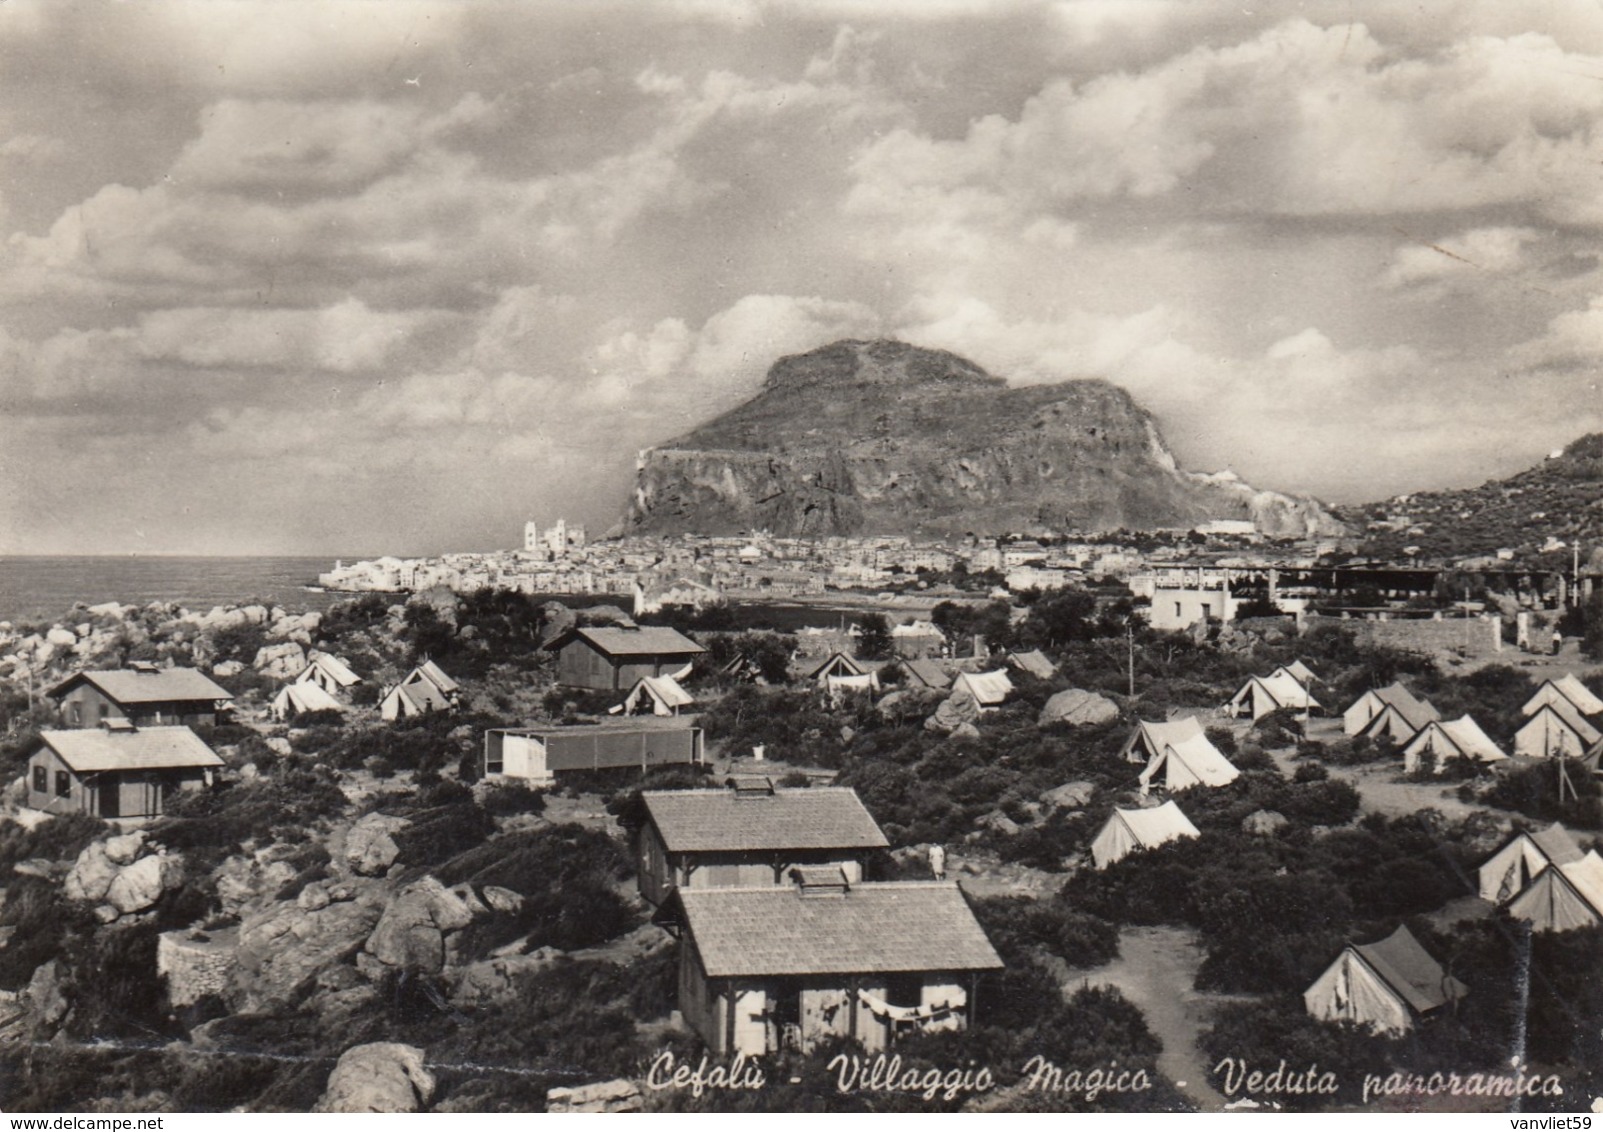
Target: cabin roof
x=868, y=928
x=711, y=821
x=91, y=750
x=158, y=685
x=648, y=640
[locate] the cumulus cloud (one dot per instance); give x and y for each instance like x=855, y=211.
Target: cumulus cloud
x=1488, y=250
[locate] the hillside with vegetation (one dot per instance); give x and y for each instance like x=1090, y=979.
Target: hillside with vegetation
x=1559, y=499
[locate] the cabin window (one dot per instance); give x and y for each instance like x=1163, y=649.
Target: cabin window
x=41, y=780
x=63, y=784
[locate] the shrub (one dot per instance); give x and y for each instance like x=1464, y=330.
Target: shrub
x=1310, y=772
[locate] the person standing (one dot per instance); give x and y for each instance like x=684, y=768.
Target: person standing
x=938, y=862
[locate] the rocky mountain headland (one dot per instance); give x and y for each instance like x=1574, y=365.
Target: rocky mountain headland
x=881, y=437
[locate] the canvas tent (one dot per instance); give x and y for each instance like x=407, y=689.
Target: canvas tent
x=1147, y=741
x=987, y=689
x=925, y=673
x=1408, y=713
x=1128, y=831
x=1386, y=986
x=1568, y=690
x=836, y=664
x=655, y=695
x=1563, y=897
x=842, y=687
x=1034, y=662
x=1555, y=730
x=328, y=672
x=1300, y=672
x=297, y=699
x=1507, y=871
x=1261, y=695
x=1446, y=739
x=425, y=689
x=1187, y=763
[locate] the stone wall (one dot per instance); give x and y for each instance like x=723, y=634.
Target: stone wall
x=1476, y=637
x=196, y=964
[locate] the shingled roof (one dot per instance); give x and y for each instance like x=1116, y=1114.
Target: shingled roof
x=156, y=685
x=714, y=821
x=91, y=750
x=870, y=928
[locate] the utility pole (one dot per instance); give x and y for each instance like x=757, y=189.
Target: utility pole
x=1129, y=640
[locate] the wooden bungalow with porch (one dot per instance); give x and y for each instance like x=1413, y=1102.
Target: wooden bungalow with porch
x=143, y=694
x=767, y=968
x=118, y=770
x=751, y=833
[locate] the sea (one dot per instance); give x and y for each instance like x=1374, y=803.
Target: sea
x=40, y=587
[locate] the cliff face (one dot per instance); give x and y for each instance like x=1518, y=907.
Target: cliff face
x=886, y=438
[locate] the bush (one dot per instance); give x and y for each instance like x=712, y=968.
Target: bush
x=1310, y=772
x=1016, y=924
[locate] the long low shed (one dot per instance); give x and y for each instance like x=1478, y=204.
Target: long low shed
x=538, y=754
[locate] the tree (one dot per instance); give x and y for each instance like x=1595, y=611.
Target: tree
x=874, y=637
x=1592, y=618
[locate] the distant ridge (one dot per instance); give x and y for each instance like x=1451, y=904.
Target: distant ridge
x=1560, y=498
x=881, y=437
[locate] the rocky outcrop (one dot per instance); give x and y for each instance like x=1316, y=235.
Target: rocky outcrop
x=954, y=712
x=282, y=949
x=113, y=874
x=282, y=661
x=619, y=1095
x=1078, y=707
x=378, y=1077
x=878, y=437
x=370, y=847
x=1069, y=796
x=411, y=934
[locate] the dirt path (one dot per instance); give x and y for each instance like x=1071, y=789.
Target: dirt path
x=1156, y=970
x=1381, y=789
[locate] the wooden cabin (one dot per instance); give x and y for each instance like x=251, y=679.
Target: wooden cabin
x=775, y=967
x=612, y=658
x=751, y=833
x=143, y=694
x=117, y=771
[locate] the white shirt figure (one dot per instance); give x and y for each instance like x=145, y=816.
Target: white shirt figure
x=938, y=862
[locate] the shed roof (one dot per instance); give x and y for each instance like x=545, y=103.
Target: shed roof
x=709, y=821
x=869, y=928
x=647, y=640
x=91, y=750
x=156, y=685
x=1410, y=971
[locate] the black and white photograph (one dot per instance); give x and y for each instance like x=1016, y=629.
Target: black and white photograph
x=898, y=556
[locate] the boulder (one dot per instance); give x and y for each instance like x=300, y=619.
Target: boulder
x=280, y=745
x=45, y=997
x=492, y=981
x=283, y=948
x=502, y=899
x=378, y=1077
x=137, y=886
x=228, y=668
x=965, y=731
x=999, y=822
x=619, y=1095
x=954, y=710
x=370, y=848
x=313, y=897
x=243, y=882
x=1264, y=823
x=91, y=874
x=125, y=850
x=283, y=661
x=1078, y=707
x=1069, y=796
x=61, y=638
x=411, y=933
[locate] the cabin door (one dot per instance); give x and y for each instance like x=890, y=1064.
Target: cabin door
x=110, y=790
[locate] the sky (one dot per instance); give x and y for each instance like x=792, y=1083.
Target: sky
x=393, y=276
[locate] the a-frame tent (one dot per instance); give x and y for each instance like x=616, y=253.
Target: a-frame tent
x=1129, y=831
x=1506, y=872
x=1387, y=985
x=1563, y=897
x=1555, y=730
